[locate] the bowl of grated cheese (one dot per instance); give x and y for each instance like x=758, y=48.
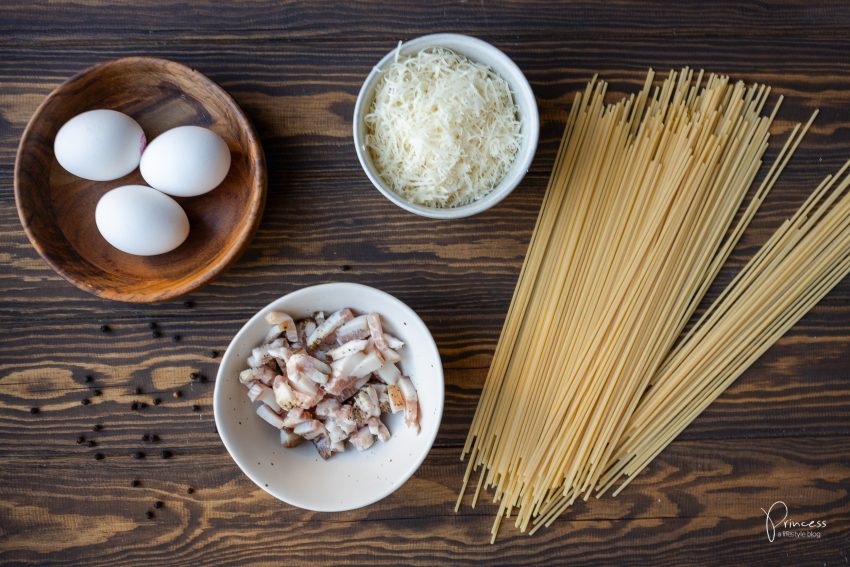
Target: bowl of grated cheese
x=446, y=126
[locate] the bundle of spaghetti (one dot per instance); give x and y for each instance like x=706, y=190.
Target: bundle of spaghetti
x=802, y=261
x=635, y=224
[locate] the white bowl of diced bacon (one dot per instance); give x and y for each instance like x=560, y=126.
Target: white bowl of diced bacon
x=330, y=397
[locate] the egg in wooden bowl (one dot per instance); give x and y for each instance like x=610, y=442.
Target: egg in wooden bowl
x=57, y=208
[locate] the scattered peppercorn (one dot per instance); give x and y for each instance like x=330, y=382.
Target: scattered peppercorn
x=143, y=405
x=97, y=427
x=91, y=443
x=156, y=333
x=89, y=378
x=134, y=406
x=194, y=375
x=98, y=392
x=157, y=401
x=176, y=338
x=136, y=483
x=149, y=515
x=146, y=437
x=34, y=410
x=85, y=401
x=138, y=390
x=345, y=267
x=177, y=394
x=196, y=407
x=158, y=504
x=138, y=455
x=213, y=353
x=202, y=378
x=98, y=456
x=152, y=325
x=105, y=329
x=154, y=437
x=166, y=454
x=81, y=440
x=190, y=490
x=188, y=304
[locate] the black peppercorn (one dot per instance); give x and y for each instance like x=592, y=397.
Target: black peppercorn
x=158, y=504
x=134, y=406
x=213, y=353
x=194, y=375
x=34, y=410
x=98, y=456
x=138, y=455
x=157, y=401
x=190, y=490
x=85, y=401
x=176, y=394
x=152, y=325
x=166, y=454
x=154, y=437
x=149, y=515
x=188, y=304
x=146, y=437
x=91, y=443
x=138, y=390
x=81, y=440
x=105, y=329
x=89, y=378
x=136, y=483
x=196, y=407
x=97, y=427
x=176, y=338
x=98, y=393
x=156, y=333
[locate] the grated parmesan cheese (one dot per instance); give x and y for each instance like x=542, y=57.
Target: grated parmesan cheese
x=442, y=130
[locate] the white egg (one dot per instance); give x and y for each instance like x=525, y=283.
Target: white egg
x=186, y=161
x=142, y=221
x=100, y=145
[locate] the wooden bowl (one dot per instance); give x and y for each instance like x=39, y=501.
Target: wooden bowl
x=57, y=208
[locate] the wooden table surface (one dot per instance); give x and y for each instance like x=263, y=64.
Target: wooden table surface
x=782, y=432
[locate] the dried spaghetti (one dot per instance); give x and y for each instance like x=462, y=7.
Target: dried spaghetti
x=589, y=380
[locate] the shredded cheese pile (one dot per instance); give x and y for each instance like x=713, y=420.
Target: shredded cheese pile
x=442, y=130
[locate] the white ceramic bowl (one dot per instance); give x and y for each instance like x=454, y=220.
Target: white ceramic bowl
x=481, y=52
x=350, y=479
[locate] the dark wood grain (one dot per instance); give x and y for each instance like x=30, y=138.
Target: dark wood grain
x=780, y=432
x=56, y=208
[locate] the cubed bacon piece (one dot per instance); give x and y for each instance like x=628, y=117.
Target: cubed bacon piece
x=349, y=348
x=367, y=401
x=396, y=398
x=289, y=439
x=411, y=403
x=323, y=446
x=269, y=416
x=335, y=431
x=370, y=363
x=389, y=373
x=328, y=326
x=393, y=342
x=302, y=364
x=327, y=408
x=357, y=328
x=362, y=439
x=309, y=429
x=265, y=394
x=377, y=428
x=296, y=416
x=284, y=323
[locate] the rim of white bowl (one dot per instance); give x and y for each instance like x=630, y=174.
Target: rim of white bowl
x=523, y=96
x=246, y=469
